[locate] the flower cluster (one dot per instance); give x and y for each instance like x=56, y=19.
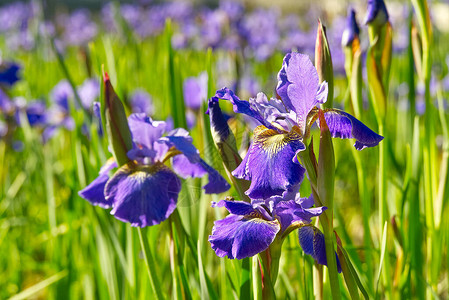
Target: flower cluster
x=144, y=190
x=272, y=166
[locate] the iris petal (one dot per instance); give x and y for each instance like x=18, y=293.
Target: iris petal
x=312, y=243
x=242, y=106
x=143, y=195
x=345, y=126
x=290, y=212
x=145, y=131
x=184, y=168
x=269, y=163
x=239, y=237
x=298, y=86
x=94, y=192
x=240, y=208
x=181, y=140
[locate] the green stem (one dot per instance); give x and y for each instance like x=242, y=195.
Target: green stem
x=318, y=281
x=267, y=284
x=328, y=232
x=149, y=262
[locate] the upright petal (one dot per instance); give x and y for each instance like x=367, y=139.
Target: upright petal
x=145, y=131
x=269, y=163
x=143, y=195
x=298, y=84
x=345, y=126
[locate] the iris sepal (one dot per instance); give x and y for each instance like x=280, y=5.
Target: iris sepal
x=143, y=195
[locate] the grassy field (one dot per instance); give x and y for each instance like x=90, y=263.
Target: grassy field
x=389, y=203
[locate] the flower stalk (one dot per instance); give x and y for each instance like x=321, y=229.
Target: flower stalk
x=325, y=185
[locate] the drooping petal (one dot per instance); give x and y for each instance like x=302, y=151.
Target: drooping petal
x=345, y=126
x=184, y=168
x=181, y=140
x=269, y=163
x=94, y=192
x=143, y=195
x=216, y=183
x=298, y=85
x=312, y=243
x=290, y=212
x=239, y=237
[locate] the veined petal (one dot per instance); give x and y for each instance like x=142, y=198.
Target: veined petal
x=312, y=243
x=181, y=140
x=143, y=195
x=239, y=237
x=345, y=126
x=298, y=86
x=216, y=183
x=240, y=208
x=269, y=163
x=144, y=130
x=94, y=192
x=242, y=106
x=184, y=168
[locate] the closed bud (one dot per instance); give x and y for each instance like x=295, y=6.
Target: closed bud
x=323, y=62
x=376, y=13
x=225, y=141
x=351, y=31
x=116, y=123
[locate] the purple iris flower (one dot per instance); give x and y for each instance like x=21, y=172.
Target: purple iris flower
x=61, y=93
x=250, y=228
x=144, y=192
x=260, y=30
x=35, y=111
x=6, y=105
x=271, y=163
x=79, y=29
x=141, y=102
x=88, y=92
x=195, y=91
x=9, y=74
